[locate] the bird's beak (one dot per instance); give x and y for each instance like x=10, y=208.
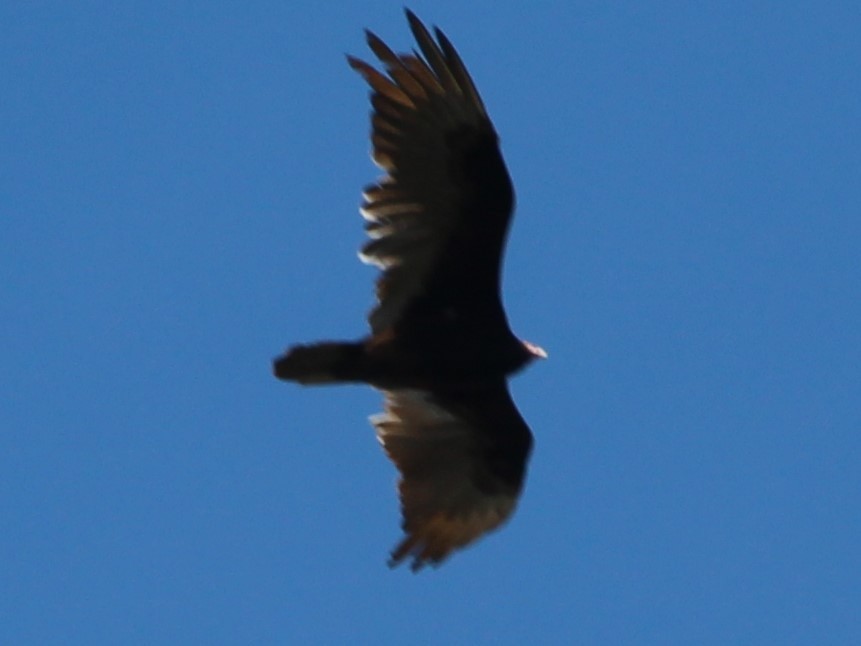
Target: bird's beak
x=535, y=350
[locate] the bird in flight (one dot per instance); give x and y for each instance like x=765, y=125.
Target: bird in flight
x=440, y=348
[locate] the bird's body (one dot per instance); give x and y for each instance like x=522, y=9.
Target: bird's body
x=422, y=362
x=440, y=346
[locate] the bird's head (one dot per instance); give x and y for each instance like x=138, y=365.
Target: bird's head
x=534, y=351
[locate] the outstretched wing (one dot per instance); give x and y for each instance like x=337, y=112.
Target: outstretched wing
x=439, y=217
x=462, y=457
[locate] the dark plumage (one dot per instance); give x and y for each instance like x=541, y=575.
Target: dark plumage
x=440, y=346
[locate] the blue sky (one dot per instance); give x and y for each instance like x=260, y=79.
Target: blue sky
x=179, y=186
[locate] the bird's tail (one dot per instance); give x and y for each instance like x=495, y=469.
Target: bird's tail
x=321, y=363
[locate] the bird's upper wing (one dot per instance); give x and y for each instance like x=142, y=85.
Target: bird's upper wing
x=462, y=457
x=439, y=217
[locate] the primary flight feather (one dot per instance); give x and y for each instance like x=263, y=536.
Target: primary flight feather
x=440, y=348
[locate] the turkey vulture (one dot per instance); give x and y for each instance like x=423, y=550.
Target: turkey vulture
x=440, y=348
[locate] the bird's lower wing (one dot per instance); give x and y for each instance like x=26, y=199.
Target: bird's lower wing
x=462, y=457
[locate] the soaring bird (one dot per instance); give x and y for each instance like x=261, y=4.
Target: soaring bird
x=440, y=348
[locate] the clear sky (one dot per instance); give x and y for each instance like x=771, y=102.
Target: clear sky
x=179, y=186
